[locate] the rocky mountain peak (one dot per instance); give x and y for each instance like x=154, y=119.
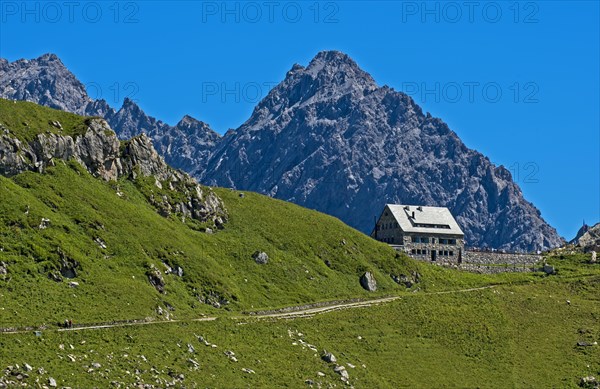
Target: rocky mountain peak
x=331, y=76
x=50, y=58
x=192, y=125
x=44, y=80
x=130, y=106
x=328, y=138
x=334, y=68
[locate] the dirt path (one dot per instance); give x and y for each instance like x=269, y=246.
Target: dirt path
x=289, y=314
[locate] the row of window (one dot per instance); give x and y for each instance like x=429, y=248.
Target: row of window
x=390, y=225
x=388, y=240
x=425, y=239
x=447, y=241
x=445, y=253
x=444, y=226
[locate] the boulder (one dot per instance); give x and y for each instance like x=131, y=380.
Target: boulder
x=593, y=258
x=548, y=269
x=367, y=281
x=341, y=370
x=328, y=357
x=260, y=257
x=52, y=382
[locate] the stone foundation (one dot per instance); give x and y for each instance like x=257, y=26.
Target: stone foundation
x=489, y=262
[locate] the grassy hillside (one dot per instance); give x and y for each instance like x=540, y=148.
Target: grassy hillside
x=113, y=282
x=112, y=235
x=509, y=336
x=520, y=331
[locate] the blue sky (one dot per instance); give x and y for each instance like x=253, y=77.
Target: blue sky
x=518, y=82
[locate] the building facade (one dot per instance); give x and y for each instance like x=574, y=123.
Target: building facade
x=426, y=233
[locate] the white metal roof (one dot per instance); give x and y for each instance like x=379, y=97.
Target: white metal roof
x=425, y=219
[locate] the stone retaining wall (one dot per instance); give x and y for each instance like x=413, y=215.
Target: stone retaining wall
x=496, y=258
x=488, y=269
x=490, y=262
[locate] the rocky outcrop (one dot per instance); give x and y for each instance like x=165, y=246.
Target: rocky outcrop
x=587, y=238
x=329, y=138
x=46, y=81
x=101, y=153
x=97, y=150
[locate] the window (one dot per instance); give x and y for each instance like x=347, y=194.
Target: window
x=413, y=251
x=415, y=239
x=424, y=240
x=392, y=239
x=441, y=252
x=451, y=241
x=451, y=253
x=443, y=241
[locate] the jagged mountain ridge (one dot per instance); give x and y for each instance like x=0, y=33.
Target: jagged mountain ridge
x=46, y=81
x=328, y=138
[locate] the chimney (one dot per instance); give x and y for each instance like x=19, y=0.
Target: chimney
x=413, y=214
x=419, y=208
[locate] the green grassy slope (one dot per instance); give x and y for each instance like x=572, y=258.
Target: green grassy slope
x=313, y=257
x=113, y=281
x=522, y=333
x=510, y=336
